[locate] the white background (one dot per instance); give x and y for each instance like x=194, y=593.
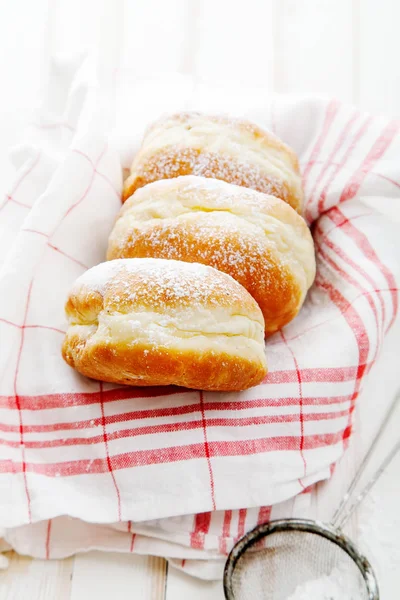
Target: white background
x=349, y=49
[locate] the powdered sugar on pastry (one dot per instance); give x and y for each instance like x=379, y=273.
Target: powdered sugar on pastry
x=257, y=239
x=184, y=282
x=233, y=150
x=157, y=322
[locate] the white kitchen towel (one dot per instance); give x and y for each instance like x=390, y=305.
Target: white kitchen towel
x=170, y=471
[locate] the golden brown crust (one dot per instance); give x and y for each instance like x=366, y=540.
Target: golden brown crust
x=155, y=322
x=239, y=123
x=257, y=239
x=233, y=150
x=147, y=365
x=176, y=161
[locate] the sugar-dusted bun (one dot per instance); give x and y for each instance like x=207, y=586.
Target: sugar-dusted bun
x=257, y=239
x=160, y=322
x=234, y=150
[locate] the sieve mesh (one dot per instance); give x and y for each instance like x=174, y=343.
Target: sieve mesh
x=297, y=565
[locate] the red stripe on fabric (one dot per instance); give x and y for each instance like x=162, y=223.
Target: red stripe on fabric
x=343, y=304
x=86, y=156
x=330, y=114
x=264, y=515
x=82, y=198
x=322, y=374
x=10, y=199
x=35, y=231
x=241, y=522
x=268, y=402
x=361, y=336
x=308, y=489
x=31, y=327
x=362, y=242
x=110, y=183
x=354, y=321
x=327, y=232
x=360, y=133
x=133, y=536
x=336, y=164
x=392, y=181
x=298, y=373
x=140, y=458
x=13, y=325
x=367, y=294
x=319, y=162
x=78, y=262
x=46, y=401
x=358, y=136
x=344, y=256
x=109, y=464
x=377, y=151
x=201, y=527
x=339, y=143
x=355, y=283
x=78, y=202
x=98, y=172
x=26, y=404
x=207, y=450
x=118, y=418
x=48, y=534
x=45, y=327
x=18, y=406
x=226, y=532
x=331, y=319
x=64, y=400
x=165, y=428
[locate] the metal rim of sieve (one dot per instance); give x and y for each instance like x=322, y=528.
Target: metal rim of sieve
x=316, y=527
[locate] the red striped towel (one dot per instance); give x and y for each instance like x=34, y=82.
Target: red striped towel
x=169, y=471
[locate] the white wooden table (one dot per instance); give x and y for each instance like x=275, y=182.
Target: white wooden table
x=343, y=48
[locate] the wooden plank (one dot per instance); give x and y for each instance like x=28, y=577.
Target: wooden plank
x=157, y=571
x=314, y=51
x=379, y=51
x=73, y=26
x=105, y=575
x=36, y=579
x=235, y=41
x=154, y=36
x=378, y=531
x=21, y=34
x=184, y=587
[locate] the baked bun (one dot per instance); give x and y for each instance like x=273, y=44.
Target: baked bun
x=159, y=322
x=234, y=150
x=257, y=239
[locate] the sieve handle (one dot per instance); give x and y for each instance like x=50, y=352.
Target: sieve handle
x=344, y=511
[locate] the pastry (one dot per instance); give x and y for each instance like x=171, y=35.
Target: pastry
x=155, y=322
x=234, y=150
x=257, y=239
